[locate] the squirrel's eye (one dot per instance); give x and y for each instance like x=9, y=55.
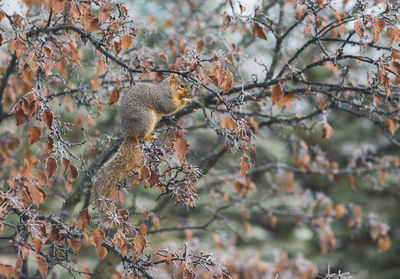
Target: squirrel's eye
x=182, y=86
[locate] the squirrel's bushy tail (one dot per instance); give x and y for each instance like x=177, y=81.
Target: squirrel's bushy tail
x=121, y=164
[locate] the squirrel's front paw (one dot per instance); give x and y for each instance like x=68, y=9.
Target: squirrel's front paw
x=149, y=137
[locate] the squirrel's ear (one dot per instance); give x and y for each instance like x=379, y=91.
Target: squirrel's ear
x=173, y=77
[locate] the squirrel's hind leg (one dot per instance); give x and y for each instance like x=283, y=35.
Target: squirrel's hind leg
x=140, y=124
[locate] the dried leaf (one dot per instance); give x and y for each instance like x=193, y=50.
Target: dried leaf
x=126, y=42
x=244, y=165
x=273, y=220
x=188, y=273
x=97, y=237
x=84, y=219
x=228, y=123
x=114, y=96
x=117, y=47
x=58, y=6
x=65, y=164
x=140, y=242
x=286, y=100
x=105, y=12
x=200, y=45
x=75, y=244
x=73, y=173
x=36, y=194
x=258, y=31
x=247, y=226
x=87, y=272
x=101, y=252
x=327, y=130
x=393, y=34
x=34, y=134
x=101, y=67
x=42, y=265
x=225, y=21
x=339, y=210
x=47, y=117
x=227, y=83
x=378, y=25
x=37, y=244
x=276, y=93
x=181, y=146
x=50, y=167
x=96, y=83
x=144, y=172
x=391, y=125
x=143, y=228
x=5, y=270
x=359, y=28
x=384, y=243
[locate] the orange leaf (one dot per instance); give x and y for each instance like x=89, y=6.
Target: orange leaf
x=258, y=31
x=164, y=57
x=75, y=244
x=37, y=244
x=114, y=96
x=181, y=146
x=42, y=264
x=339, y=210
x=227, y=83
x=359, y=28
x=5, y=270
x=140, y=242
x=273, y=220
x=34, y=134
x=50, y=167
x=225, y=21
x=58, y=6
x=73, y=173
x=286, y=100
x=101, y=252
x=61, y=66
x=96, y=83
x=396, y=54
x=384, y=243
x=84, y=219
x=144, y=172
x=126, y=41
x=36, y=194
x=105, y=12
x=65, y=163
x=378, y=25
x=47, y=117
x=393, y=34
x=87, y=272
x=117, y=47
x=244, y=165
x=143, y=228
x=246, y=226
x=200, y=45
x=391, y=125
x=101, y=67
x=97, y=237
x=276, y=93
x=327, y=131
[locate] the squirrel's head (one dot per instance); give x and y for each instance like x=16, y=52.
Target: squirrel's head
x=180, y=89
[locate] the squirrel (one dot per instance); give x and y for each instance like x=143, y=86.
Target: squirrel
x=140, y=109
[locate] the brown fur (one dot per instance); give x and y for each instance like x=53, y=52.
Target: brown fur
x=140, y=110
